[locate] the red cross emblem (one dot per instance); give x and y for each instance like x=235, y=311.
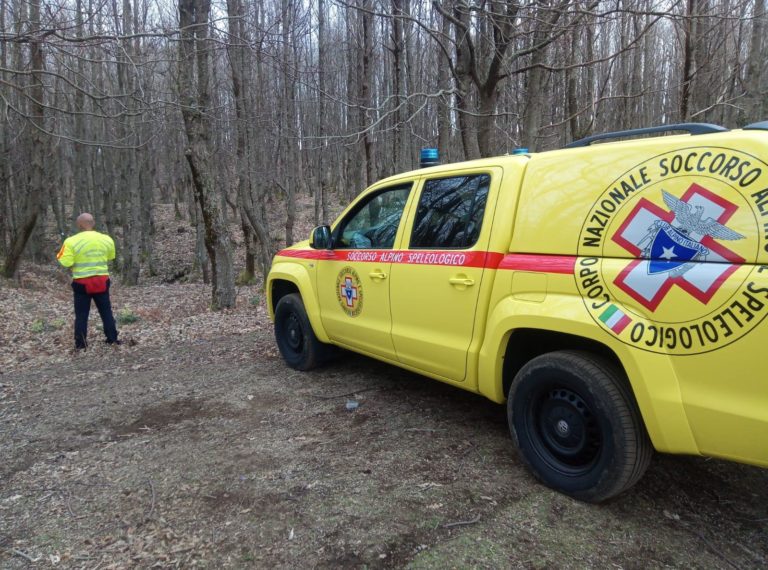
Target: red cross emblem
x=672, y=244
x=349, y=292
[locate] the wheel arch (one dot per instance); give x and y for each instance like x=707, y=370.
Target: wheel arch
x=526, y=344
x=287, y=278
x=280, y=288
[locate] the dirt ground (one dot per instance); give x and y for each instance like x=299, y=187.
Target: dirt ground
x=193, y=445
x=212, y=453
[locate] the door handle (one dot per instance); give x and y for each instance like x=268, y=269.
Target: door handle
x=465, y=281
x=376, y=274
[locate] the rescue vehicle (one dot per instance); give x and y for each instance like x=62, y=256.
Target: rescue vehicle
x=613, y=295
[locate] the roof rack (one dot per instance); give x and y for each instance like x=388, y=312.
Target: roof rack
x=761, y=126
x=691, y=128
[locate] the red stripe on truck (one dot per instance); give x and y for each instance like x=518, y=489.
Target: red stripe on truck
x=563, y=264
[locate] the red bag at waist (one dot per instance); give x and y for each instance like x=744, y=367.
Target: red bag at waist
x=94, y=285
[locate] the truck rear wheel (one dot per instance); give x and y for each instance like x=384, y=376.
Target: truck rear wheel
x=295, y=338
x=577, y=426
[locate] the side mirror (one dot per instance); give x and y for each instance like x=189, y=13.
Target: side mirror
x=320, y=238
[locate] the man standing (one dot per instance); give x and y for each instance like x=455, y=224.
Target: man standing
x=88, y=253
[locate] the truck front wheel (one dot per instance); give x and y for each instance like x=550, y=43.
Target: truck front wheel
x=295, y=338
x=577, y=426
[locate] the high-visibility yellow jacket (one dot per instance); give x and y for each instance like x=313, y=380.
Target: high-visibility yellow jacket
x=87, y=253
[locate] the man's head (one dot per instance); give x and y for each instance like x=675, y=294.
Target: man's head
x=85, y=222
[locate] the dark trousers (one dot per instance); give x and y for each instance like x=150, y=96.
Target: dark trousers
x=83, y=307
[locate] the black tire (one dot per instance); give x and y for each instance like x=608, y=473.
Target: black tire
x=296, y=340
x=577, y=426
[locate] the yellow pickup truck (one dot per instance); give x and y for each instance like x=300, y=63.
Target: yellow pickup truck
x=614, y=295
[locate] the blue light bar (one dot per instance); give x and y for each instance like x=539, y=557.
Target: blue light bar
x=521, y=150
x=429, y=157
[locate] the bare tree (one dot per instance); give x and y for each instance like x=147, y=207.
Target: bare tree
x=114, y=106
x=194, y=96
x=35, y=191
x=756, y=96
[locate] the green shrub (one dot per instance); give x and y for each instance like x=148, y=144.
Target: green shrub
x=254, y=301
x=41, y=325
x=126, y=317
x=245, y=278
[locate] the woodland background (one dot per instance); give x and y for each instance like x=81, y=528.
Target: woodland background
x=247, y=114
x=206, y=135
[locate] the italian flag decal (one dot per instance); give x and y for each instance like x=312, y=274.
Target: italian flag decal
x=615, y=319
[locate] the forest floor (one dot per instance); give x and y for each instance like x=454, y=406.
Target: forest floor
x=193, y=445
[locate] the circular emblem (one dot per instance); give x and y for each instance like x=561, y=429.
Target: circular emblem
x=667, y=253
x=349, y=290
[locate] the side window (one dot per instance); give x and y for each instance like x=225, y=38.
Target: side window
x=373, y=223
x=450, y=212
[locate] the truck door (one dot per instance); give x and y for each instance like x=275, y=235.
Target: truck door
x=434, y=290
x=353, y=286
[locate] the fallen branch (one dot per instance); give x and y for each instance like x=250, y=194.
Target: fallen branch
x=67, y=496
x=462, y=523
x=23, y=555
x=709, y=546
x=152, y=506
x=351, y=393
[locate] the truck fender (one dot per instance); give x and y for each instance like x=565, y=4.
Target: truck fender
x=298, y=275
x=652, y=377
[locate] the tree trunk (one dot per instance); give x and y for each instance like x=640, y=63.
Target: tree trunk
x=400, y=81
x=80, y=162
x=129, y=167
x=488, y=96
x=250, y=221
x=444, y=102
x=754, y=106
x=365, y=93
x=4, y=146
x=465, y=66
x=194, y=93
x=37, y=117
x=534, y=100
x=322, y=74
x=689, y=61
